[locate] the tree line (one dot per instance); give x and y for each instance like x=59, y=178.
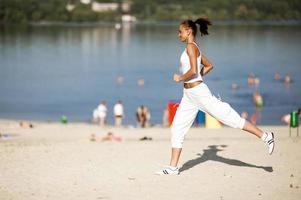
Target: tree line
x=24, y=11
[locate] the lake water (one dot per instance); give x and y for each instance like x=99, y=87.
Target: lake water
x=50, y=71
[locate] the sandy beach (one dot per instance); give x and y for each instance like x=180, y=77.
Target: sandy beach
x=57, y=161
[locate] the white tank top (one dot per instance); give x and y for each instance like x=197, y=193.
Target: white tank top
x=185, y=65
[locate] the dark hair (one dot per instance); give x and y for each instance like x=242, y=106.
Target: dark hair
x=202, y=22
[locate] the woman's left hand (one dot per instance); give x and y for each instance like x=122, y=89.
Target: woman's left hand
x=176, y=78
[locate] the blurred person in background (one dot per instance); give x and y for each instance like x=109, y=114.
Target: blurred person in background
x=118, y=113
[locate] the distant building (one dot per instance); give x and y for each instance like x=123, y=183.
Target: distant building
x=103, y=7
x=70, y=7
x=128, y=18
x=85, y=1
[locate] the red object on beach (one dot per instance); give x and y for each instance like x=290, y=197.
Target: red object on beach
x=172, y=109
x=254, y=118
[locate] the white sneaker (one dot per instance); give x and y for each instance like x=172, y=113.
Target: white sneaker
x=168, y=171
x=269, y=140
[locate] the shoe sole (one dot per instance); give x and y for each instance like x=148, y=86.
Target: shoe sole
x=273, y=144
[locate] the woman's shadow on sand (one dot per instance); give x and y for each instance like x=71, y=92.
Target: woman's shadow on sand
x=211, y=154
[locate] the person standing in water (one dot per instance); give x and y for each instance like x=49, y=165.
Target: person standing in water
x=197, y=96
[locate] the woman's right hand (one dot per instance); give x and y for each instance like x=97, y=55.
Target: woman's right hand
x=176, y=78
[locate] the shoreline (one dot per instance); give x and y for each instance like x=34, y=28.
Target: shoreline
x=9, y=120
x=161, y=23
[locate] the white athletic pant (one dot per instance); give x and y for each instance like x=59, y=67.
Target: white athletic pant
x=200, y=98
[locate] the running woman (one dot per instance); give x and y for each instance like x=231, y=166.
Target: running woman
x=197, y=96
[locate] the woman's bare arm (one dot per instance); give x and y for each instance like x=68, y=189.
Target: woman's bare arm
x=207, y=65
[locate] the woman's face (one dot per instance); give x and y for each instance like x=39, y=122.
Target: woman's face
x=183, y=33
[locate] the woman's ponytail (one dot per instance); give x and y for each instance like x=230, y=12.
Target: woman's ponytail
x=203, y=23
